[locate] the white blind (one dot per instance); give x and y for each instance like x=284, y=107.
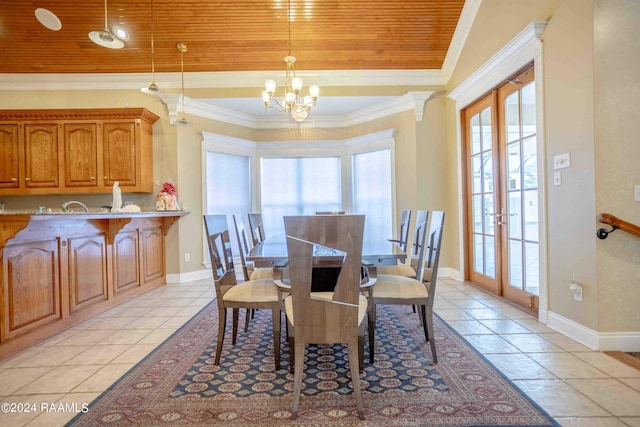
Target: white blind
x=228, y=187
x=372, y=191
x=298, y=186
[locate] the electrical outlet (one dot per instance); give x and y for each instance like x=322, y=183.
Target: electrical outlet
x=636, y=193
x=187, y=257
x=576, y=289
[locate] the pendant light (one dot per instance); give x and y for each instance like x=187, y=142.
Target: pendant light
x=182, y=48
x=152, y=89
x=104, y=37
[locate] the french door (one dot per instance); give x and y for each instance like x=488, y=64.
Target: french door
x=502, y=237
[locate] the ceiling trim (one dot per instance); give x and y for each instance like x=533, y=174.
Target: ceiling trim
x=217, y=80
x=467, y=16
x=414, y=100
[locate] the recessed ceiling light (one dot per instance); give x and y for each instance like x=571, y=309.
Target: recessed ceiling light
x=120, y=33
x=48, y=19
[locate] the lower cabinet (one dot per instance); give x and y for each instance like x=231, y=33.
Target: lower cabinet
x=58, y=273
x=30, y=287
x=126, y=261
x=87, y=270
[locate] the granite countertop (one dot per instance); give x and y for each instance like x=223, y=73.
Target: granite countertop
x=35, y=214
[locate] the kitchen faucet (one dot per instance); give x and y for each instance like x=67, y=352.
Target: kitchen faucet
x=65, y=205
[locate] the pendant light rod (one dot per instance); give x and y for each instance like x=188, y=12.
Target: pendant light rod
x=182, y=48
x=152, y=89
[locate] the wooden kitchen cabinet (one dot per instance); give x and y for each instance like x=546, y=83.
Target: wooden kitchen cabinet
x=9, y=157
x=76, y=151
x=80, y=154
x=41, y=155
x=61, y=269
x=31, y=287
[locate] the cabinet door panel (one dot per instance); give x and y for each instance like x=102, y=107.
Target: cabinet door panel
x=9, y=164
x=80, y=155
x=41, y=155
x=119, y=154
x=126, y=261
x=87, y=271
x=31, y=290
x=152, y=254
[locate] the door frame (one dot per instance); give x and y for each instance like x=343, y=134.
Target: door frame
x=524, y=48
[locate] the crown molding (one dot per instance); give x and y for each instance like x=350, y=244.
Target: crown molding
x=129, y=81
x=414, y=100
x=517, y=53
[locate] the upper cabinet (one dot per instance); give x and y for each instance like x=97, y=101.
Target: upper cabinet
x=76, y=151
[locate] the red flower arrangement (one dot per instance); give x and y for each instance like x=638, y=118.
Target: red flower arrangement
x=169, y=188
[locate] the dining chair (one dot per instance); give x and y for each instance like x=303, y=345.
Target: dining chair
x=408, y=269
x=245, y=243
x=252, y=294
x=418, y=291
x=403, y=230
x=256, y=227
x=325, y=317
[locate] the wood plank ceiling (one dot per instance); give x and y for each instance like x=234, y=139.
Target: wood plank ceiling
x=229, y=35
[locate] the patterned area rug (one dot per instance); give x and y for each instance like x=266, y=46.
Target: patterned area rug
x=178, y=385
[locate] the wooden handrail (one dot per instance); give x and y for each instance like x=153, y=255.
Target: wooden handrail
x=616, y=223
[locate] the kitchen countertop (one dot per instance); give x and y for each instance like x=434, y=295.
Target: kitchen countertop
x=35, y=215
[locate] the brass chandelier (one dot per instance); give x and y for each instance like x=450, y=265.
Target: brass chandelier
x=291, y=103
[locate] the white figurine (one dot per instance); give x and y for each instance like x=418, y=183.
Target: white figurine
x=116, y=205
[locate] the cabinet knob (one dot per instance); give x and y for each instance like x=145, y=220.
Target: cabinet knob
x=106, y=177
x=14, y=179
x=93, y=178
x=27, y=179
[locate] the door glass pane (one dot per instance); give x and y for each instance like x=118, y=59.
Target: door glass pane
x=512, y=117
x=528, y=110
x=531, y=215
x=532, y=268
x=475, y=134
x=477, y=213
x=488, y=171
x=476, y=166
x=514, y=217
x=515, y=264
x=489, y=253
x=478, y=258
x=513, y=162
x=487, y=129
x=489, y=217
x=530, y=162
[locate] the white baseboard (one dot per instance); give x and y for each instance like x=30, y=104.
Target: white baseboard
x=451, y=273
x=189, y=276
x=620, y=341
x=602, y=341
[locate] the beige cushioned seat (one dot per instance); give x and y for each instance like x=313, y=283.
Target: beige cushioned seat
x=262, y=290
x=398, y=270
x=388, y=285
x=261, y=273
x=362, y=305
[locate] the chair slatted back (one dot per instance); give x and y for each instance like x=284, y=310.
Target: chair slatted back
x=403, y=229
x=245, y=242
x=256, y=227
x=433, y=253
x=420, y=244
x=325, y=321
x=224, y=275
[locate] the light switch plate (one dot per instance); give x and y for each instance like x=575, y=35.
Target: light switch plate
x=561, y=161
x=636, y=193
x=557, y=179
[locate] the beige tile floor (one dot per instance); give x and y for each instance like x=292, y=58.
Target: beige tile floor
x=577, y=386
